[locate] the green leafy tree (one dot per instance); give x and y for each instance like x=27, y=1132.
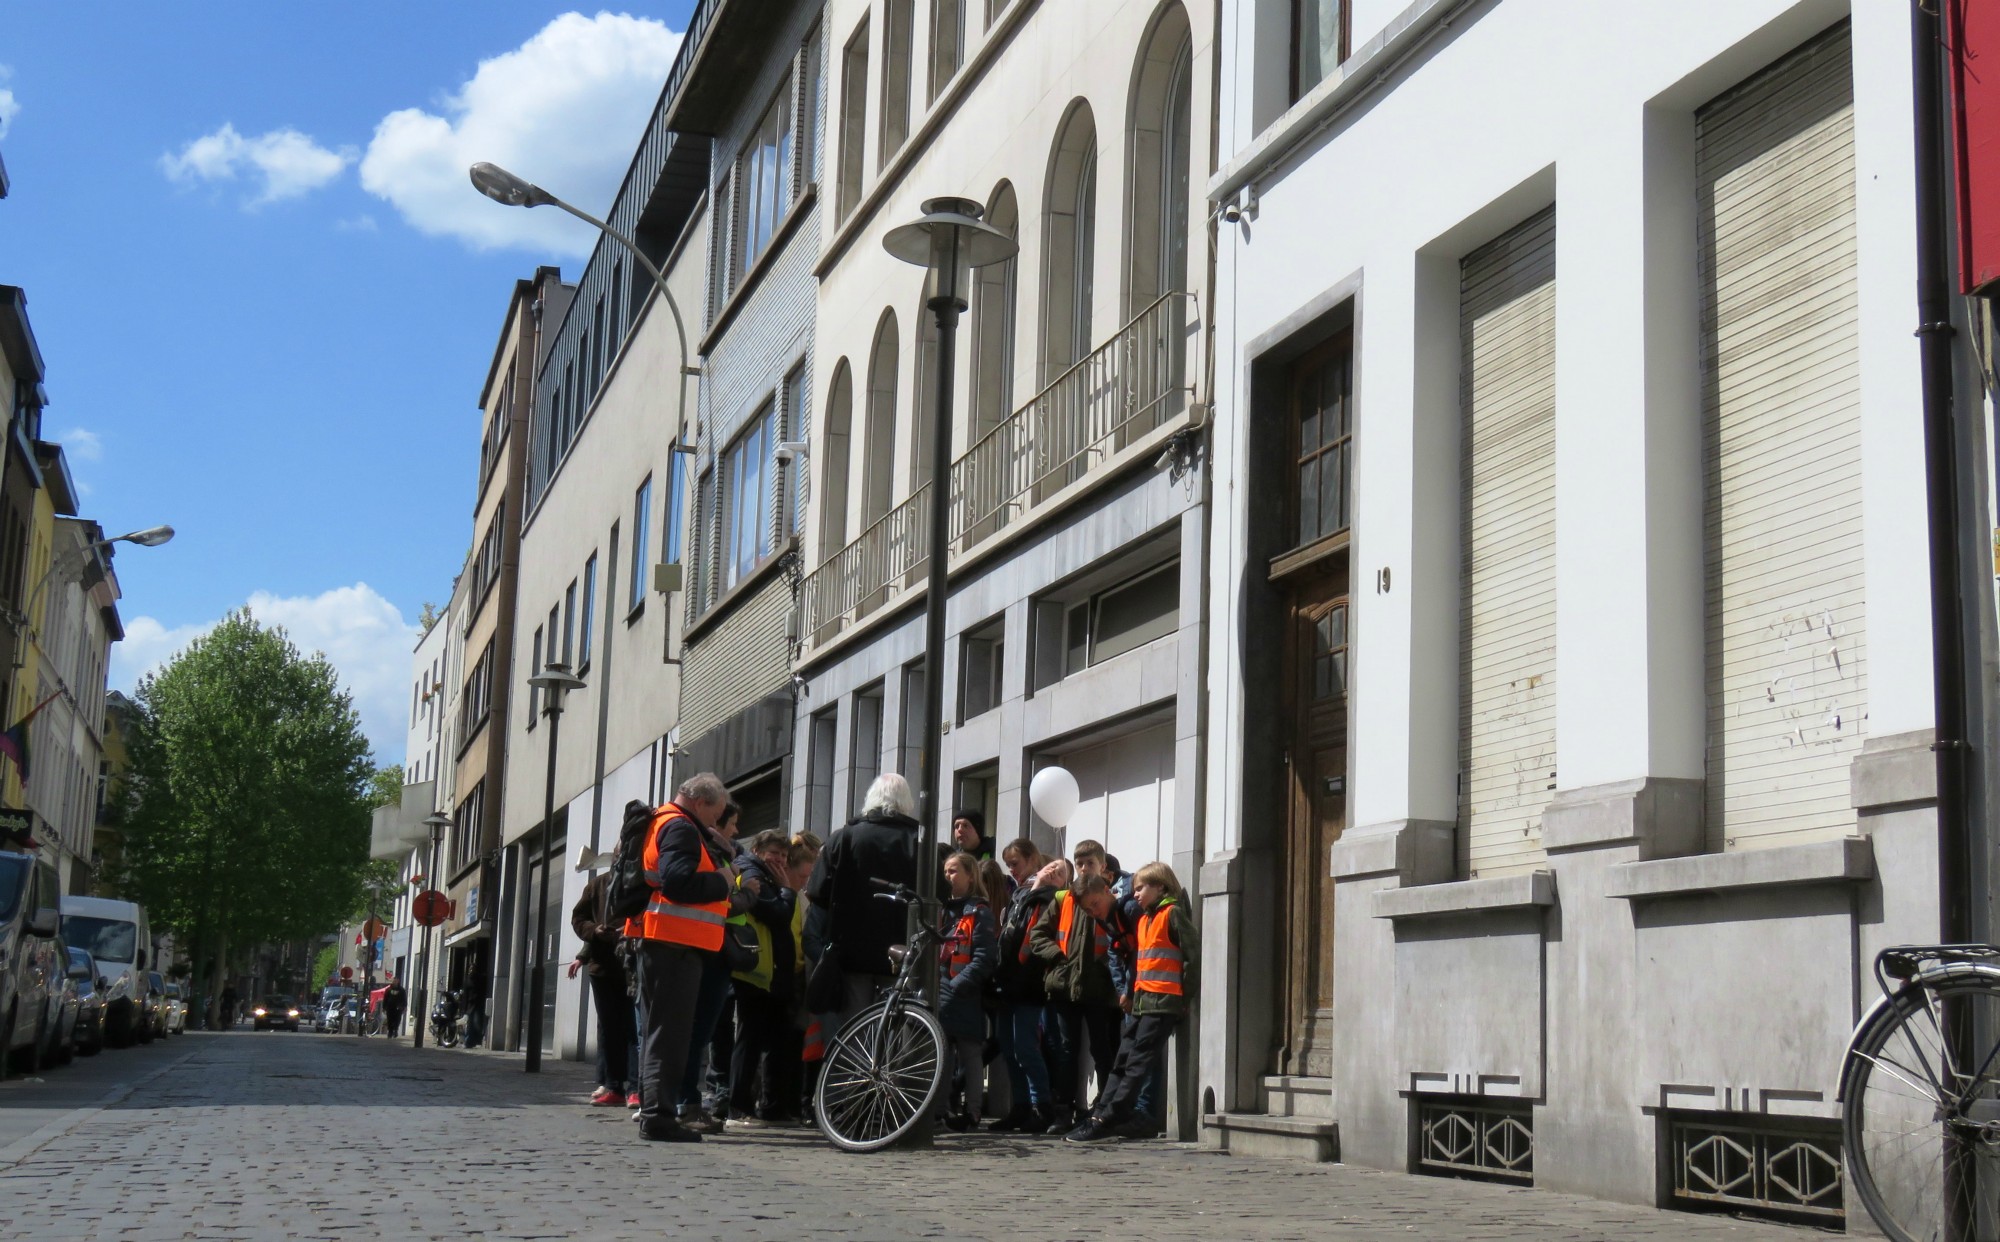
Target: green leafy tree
x=322, y=968
x=385, y=787
x=249, y=787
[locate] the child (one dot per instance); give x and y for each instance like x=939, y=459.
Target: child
x=971, y=951
x=1169, y=949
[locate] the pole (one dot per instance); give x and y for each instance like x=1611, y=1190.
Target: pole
x=1934, y=333
x=929, y=774
x=538, y=978
x=423, y=1009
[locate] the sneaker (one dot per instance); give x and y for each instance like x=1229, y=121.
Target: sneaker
x=1139, y=1127
x=1091, y=1131
x=1061, y=1121
x=638, y=1114
x=604, y=1097
x=702, y=1121
x=752, y=1122
x=957, y=1123
x=632, y=1101
x=668, y=1132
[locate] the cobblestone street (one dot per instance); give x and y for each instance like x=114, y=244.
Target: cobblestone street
x=242, y=1135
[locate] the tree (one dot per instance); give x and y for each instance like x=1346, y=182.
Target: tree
x=428, y=617
x=248, y=818
x=385, y=787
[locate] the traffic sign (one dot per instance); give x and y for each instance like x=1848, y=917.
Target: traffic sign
x=430, y=908
x=346, y=973
x=374, y=929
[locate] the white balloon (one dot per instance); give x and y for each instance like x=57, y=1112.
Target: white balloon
x=1054, y=795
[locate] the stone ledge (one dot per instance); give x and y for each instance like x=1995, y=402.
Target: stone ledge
x=1533, y=890
x=1846, y=861
x=1660, y=816
x=1415, y=851
x=1898, y=770
x=1278, y=1138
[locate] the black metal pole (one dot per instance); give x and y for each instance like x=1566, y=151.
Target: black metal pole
x=424, y=967
x=929, y=767
x=538, y=978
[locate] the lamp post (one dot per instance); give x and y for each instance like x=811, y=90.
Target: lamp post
x=437, y=821
x=150, y=537
x=950, y=240
x=509, y=190
x=554, y=681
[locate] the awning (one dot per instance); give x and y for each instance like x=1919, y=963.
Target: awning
x=466, y=934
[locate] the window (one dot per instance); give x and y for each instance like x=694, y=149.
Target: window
x=1089, y=625
x=831, y=460
x=1319, y=42
x=1323, y=397
x=812, y=104
x=981, y=656
x=468, y=828
x=910, y=746
x=642, y=506
x=878, y=475
x=820, y=737
x=798, y=425
x=534, y=667
x=763, y=179
x=475, y=702
x=1329, y=678
x=598, y=348
x=589, y=612
x=896, y=20
x=555, y=651
x=1069, y=259
x=865, y=759
x=746, y=491
x=1157, y=233
x=853, y=118
x=569, y=625
x=993, y=296
x=947, y=43
x=674, y=530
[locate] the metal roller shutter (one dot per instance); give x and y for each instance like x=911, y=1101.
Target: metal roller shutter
x=1507, y=641
x=1786, y=657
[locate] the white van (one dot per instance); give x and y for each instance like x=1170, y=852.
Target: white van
x=116, y=934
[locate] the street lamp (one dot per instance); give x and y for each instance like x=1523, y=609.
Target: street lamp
x=437, y=821
x=950, y=240
x=509, y=190
x=554, y=681
x=150, y=537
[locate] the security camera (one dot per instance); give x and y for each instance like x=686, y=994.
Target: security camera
x=788, y=450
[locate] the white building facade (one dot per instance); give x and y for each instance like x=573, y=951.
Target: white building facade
x=1571, y=649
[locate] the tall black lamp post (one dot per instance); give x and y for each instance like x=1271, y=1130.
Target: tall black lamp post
x=437, y=822
x=554, y=681
x=950, y=240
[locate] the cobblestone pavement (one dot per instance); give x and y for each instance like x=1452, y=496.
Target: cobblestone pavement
x=241, y=1135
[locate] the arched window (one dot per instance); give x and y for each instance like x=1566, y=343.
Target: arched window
x=1069, y=251
x=1158, y=139
x=878, y=476
x=993, y=325
x=833, y=463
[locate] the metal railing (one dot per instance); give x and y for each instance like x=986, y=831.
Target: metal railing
x=1132, y=384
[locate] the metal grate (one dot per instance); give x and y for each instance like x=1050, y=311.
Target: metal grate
x=1478, y=1138
x=1791, y=1168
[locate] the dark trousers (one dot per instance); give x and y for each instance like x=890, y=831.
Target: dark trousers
x=669, y=981
x=710, y=994
x=1068, y=1027
x=1141, y=1054
x=392, y=1021
x=614, y=1031
x=764, y=1065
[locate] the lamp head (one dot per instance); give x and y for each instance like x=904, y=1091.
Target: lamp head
x=437, y=823
x=151, y=537
x=504, y=187
x=554, y=681
x=950, y=240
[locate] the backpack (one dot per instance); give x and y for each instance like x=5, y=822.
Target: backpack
x=628, y=891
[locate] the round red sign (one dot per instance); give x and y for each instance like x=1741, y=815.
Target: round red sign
x=430, y=908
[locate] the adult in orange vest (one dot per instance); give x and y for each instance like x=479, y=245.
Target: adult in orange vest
x=688, y=869
x=1166, y=966
x=1075, y=949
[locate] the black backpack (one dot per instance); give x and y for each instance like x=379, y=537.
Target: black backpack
x=629, y=891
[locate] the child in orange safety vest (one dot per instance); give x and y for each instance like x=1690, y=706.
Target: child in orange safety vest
x=1163, y=981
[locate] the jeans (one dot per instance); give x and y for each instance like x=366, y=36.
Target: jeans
x=475, y=1022
x=1020, y=1032
x=710, y=994
x=1069, y=1026
x=670, y=978
x=1142, y=1052
x=614, y=1032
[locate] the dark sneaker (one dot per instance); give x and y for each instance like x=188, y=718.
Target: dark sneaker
x=1139, y=1128
x=702, y=1122
x=1091, y=1131
x=1061, y=1121
x=958, y=1123
x=668, y=1132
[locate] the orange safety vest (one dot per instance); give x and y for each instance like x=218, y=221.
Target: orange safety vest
x=1160, y=959
x=1098, y=947
x=815, y=1049
x=698, y=926
x=958, y=946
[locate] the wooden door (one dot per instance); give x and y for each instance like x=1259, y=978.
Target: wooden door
x=1316, y=676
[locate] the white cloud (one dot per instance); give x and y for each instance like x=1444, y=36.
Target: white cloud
x=362, y=635
x=81, y=444
x=286, y=163
x=10, y=108
x=363, y=223
x=564, y=110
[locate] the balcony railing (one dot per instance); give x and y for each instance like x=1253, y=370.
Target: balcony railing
x=1132, y=384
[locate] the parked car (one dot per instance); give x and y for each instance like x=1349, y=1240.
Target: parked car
x=157, y=1003
x=177, y=1008
x=65, y=1002
x=33, y=975
x=116, y=936
x=327, y=1013
x=274, y=1011
x=89, y=1030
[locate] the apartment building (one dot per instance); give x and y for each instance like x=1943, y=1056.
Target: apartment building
x=1571, y=652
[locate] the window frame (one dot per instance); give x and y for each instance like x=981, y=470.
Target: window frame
x=898, y=27
x=765, y=188
x=852, y=171
x=1295, y=49
x=587, y=620
x=756, y=435
x=1336, y=351
x=642, y=504
x=943, y=69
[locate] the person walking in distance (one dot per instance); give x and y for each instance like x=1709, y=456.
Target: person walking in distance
x=686, y=870
x=472, y=999
x=395, y=1001
x=877, y=847
x=591, y=920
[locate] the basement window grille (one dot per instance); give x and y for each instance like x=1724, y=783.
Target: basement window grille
x=1789, y=1169
x=1474, y=1137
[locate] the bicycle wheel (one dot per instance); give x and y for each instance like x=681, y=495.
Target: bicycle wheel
x=882, y=1075
x=1908, y=1099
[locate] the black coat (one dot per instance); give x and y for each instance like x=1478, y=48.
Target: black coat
x=1021, y=984
x=881, y=845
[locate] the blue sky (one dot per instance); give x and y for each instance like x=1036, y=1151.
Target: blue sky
x=267, y=297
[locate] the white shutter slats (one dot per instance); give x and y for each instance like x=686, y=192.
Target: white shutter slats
x=1786, y=646
x=1507, y=641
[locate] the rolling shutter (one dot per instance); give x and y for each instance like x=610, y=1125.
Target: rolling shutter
x=1786, y=660
x=1507, y=639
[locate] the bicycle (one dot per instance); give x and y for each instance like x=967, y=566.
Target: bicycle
x=1920, y=1094
x=883, y=1072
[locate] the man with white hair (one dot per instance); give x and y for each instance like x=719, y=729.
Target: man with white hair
x=880, y=844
